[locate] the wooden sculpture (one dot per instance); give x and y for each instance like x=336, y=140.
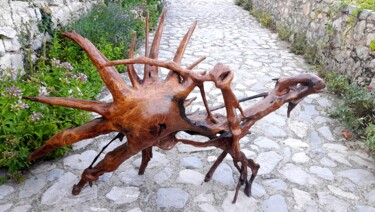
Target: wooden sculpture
x=152, y=111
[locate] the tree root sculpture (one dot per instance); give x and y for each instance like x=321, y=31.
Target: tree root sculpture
x=151, y=111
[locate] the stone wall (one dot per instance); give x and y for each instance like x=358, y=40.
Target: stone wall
x=24, y=25
x=341, y=33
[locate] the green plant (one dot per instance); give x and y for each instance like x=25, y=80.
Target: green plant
x=283, y=32
x=298, y=44
x=264, y=18
x=372, y=45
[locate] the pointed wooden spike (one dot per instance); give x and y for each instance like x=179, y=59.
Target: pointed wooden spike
x=184, y=42
x=109, y=75
x=134, y=78
x=146, y=72
x=154, y=51
x=196, y=63
x=82, y=104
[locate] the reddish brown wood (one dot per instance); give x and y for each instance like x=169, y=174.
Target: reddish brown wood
x=152, y=110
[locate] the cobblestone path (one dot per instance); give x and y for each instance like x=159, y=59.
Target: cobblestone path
x=305, y=165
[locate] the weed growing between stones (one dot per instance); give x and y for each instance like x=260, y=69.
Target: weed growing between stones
x=265, y=19
x=63, y=70
x=364, y=4
x=372, y=45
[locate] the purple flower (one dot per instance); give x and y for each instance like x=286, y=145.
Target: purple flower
x=43, y=91
x=370, y=87
x=66, y=65
x=19, y=106
x=13, y=91
x=55, y=62
x=81, y=77
x=36, y=116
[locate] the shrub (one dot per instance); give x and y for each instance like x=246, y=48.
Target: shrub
x=65, y=71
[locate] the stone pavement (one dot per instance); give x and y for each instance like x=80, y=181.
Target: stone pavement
x=305, y=163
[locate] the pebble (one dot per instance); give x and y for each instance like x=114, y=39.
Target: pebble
x=5, y=190
x=190, y=177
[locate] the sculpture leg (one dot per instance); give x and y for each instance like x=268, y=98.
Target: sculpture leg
x=214, y=166
x=110, y=163
x=254, y=171
x=146, y=157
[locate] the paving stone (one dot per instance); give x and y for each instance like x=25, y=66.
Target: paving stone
x=266, y=143
x=135, y=210
x=324, y=173
x=338, y=157
x=224, y=174
x=190, y=177
x=364, y=208
x=360, y=161
x=205, y=207
x=371, y=197
x=294, y=143
x=274, y=131
x=327, y=162
x=123, y=195
x=302, y=198
x=275, y=203
x=204, y=198
x=315, y=138
x=257, y=190
x=268, y=161
x=5, y=207
x=336, y=147
x=358, y=176
x=341, y=193
x=158, y=159
x=191, y=162
x=5, y=190
x=300, y=157
x=59, y=190
x=326, y=133
x=296, y=175
x=332, y=203
x=184, y=148
x=55, y=174
x=21, y=208
x=131, y=178
x=243, y=203
x=105, y=177
x=275, y=184
x=299, y=128
x=32, y=186
x=80, y=161
x=171, y=198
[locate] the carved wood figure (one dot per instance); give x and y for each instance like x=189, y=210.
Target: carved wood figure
x=151, y=111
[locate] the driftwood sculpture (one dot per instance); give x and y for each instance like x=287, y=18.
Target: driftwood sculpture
x=152, y=111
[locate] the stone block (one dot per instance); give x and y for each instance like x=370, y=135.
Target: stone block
x=12, y=45
x=8, y=32
x=2, y=48
x=11, y=60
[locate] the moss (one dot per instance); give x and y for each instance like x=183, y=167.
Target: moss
x=372, y=45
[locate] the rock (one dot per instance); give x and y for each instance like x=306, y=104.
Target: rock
x=2, y=48
x=341, y=193
x=191, y=163
x=275, y=184
x=363, y=208
x=82, y=144
x=8, y=32
x=204, y=198
x=11, y=45
x=327, y=162
x=190, y=177
x=80, y=161
x=5, y=190
x=54, y=174
x=296, y=175
x=326, y=133
x=158, y=159
x=332, y=203
x=299, y=128
x=266, y=143
x=371, y=197
x=185, y=148
x=295, y=143
x=171, y=197
x=324, y=173
x=163, y=175
x=275, y=119
x=257, y=190
x=268, y=161
x=336, y=147
x=273, y=131
x=207, y=207
x=362, y=162
x=315, y=139
x=135, y=210
x=300, y=157
x=123, y=195
x=32, y=186
x=358, y=176
x=131, y=178
x=338, y=157
x=5, y=207
x=224, y=174
x=275, y=203
x=302, y=198
x=243, y=203
x=22, y=208
x=59, y=190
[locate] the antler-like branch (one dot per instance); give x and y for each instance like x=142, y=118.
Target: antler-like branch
x=134, y=78
x=110, y=76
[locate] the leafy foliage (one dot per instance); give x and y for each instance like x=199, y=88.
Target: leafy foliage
x=64, y=70
x=365, y=4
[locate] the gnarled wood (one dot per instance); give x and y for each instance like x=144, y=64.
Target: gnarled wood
x=152, y=111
